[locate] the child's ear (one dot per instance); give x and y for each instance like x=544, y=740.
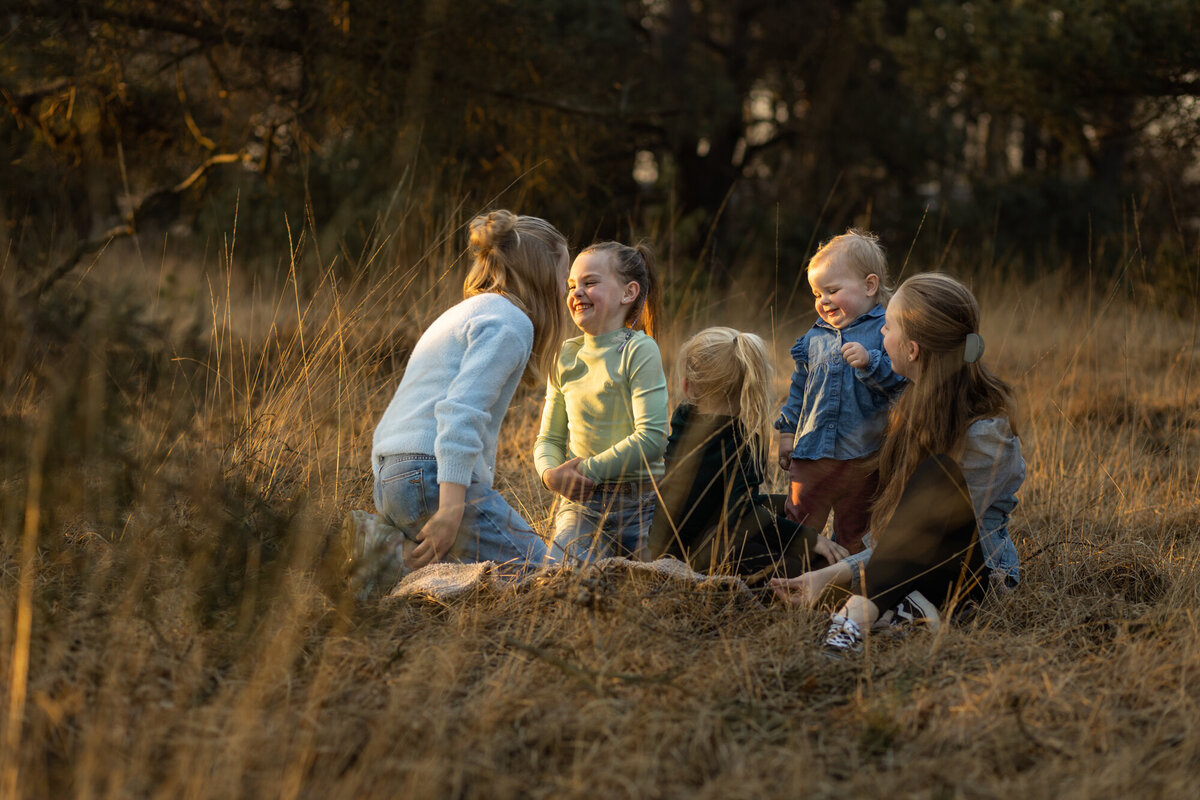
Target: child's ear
x=872, y=284
x=631, y=292
x=686, y=389
x=914, y=350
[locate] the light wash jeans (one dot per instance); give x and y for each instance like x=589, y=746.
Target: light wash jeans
x=608, y=524
x=406, y=494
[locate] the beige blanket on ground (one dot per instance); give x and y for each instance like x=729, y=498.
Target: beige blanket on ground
x=444, y=581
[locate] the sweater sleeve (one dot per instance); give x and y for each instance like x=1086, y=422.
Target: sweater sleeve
x=789, y=415
x=648, y=404
x=550, y=449
x=994, y=470
x=493, y=350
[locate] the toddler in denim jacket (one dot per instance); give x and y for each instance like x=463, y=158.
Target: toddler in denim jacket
x=832, y=423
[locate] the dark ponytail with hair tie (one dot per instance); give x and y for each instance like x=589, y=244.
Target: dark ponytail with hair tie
x=636, y=264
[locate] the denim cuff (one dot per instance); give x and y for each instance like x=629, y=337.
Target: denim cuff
x=857, y=563
x=869, y=374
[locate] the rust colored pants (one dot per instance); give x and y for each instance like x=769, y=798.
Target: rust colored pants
x=817, y=486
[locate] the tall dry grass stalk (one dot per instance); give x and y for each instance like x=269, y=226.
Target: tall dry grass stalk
x=173, y=622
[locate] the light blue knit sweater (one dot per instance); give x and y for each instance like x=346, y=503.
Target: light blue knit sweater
x=456, y=389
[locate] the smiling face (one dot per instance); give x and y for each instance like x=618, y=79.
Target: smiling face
x=900, y=349
x=842, y=295
x=597, y=298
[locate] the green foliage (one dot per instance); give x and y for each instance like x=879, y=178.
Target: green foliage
x=769, y=126
x=1082, y=90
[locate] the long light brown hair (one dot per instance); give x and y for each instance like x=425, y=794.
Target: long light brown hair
x=520, y=258
x=734, y=369
x=945, y=395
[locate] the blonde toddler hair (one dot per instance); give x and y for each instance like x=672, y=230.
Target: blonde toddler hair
x=863, y=253
x=733, y=369
x=519, y=257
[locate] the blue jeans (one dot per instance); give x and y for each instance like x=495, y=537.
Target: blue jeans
x=407, y=492
x=607, y=524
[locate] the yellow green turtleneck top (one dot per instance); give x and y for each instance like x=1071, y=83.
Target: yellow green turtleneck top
x=606, y=401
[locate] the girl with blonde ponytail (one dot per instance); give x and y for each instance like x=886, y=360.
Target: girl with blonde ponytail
x=711, y=512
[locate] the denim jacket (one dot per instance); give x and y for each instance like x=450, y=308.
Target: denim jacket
x=838, y=411
x=994, y=470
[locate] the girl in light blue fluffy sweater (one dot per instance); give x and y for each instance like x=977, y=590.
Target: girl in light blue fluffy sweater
x=434, y=450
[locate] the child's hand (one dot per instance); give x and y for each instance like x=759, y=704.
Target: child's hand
x=567, y=480
x=832, y=551
x=437, y=536
x=855, y=355
x=785, y=449
x=803, y=590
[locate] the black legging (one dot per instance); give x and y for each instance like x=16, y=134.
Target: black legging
x=760, y=543
x=931, y=543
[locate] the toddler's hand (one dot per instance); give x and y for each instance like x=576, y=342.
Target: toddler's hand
x=855, y=355
x=567, y=480
x=785, y=449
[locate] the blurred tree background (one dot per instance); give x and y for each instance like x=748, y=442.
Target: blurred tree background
x=739, y=131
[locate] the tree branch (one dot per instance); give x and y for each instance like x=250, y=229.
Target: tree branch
x=600, y=112
x=20, y=104
x=783, y=137
x=128, y=227
x=272, y=33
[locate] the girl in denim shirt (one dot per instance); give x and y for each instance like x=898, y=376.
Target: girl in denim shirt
x=832, y=423
x=950, y=468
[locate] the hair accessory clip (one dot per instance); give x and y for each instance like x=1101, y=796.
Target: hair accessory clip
x=973, y=348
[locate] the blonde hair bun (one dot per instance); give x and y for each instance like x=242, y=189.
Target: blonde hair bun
x=520, y=258
x=490, y=231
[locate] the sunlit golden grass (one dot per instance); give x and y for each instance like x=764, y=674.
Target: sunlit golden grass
x=189, y=438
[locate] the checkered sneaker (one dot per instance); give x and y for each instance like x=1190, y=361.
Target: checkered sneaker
x=843, y=639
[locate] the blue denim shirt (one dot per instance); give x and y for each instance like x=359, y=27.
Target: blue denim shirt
x=994, y=470
x=838, y=411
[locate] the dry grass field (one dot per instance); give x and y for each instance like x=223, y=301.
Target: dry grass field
x=181, y=440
